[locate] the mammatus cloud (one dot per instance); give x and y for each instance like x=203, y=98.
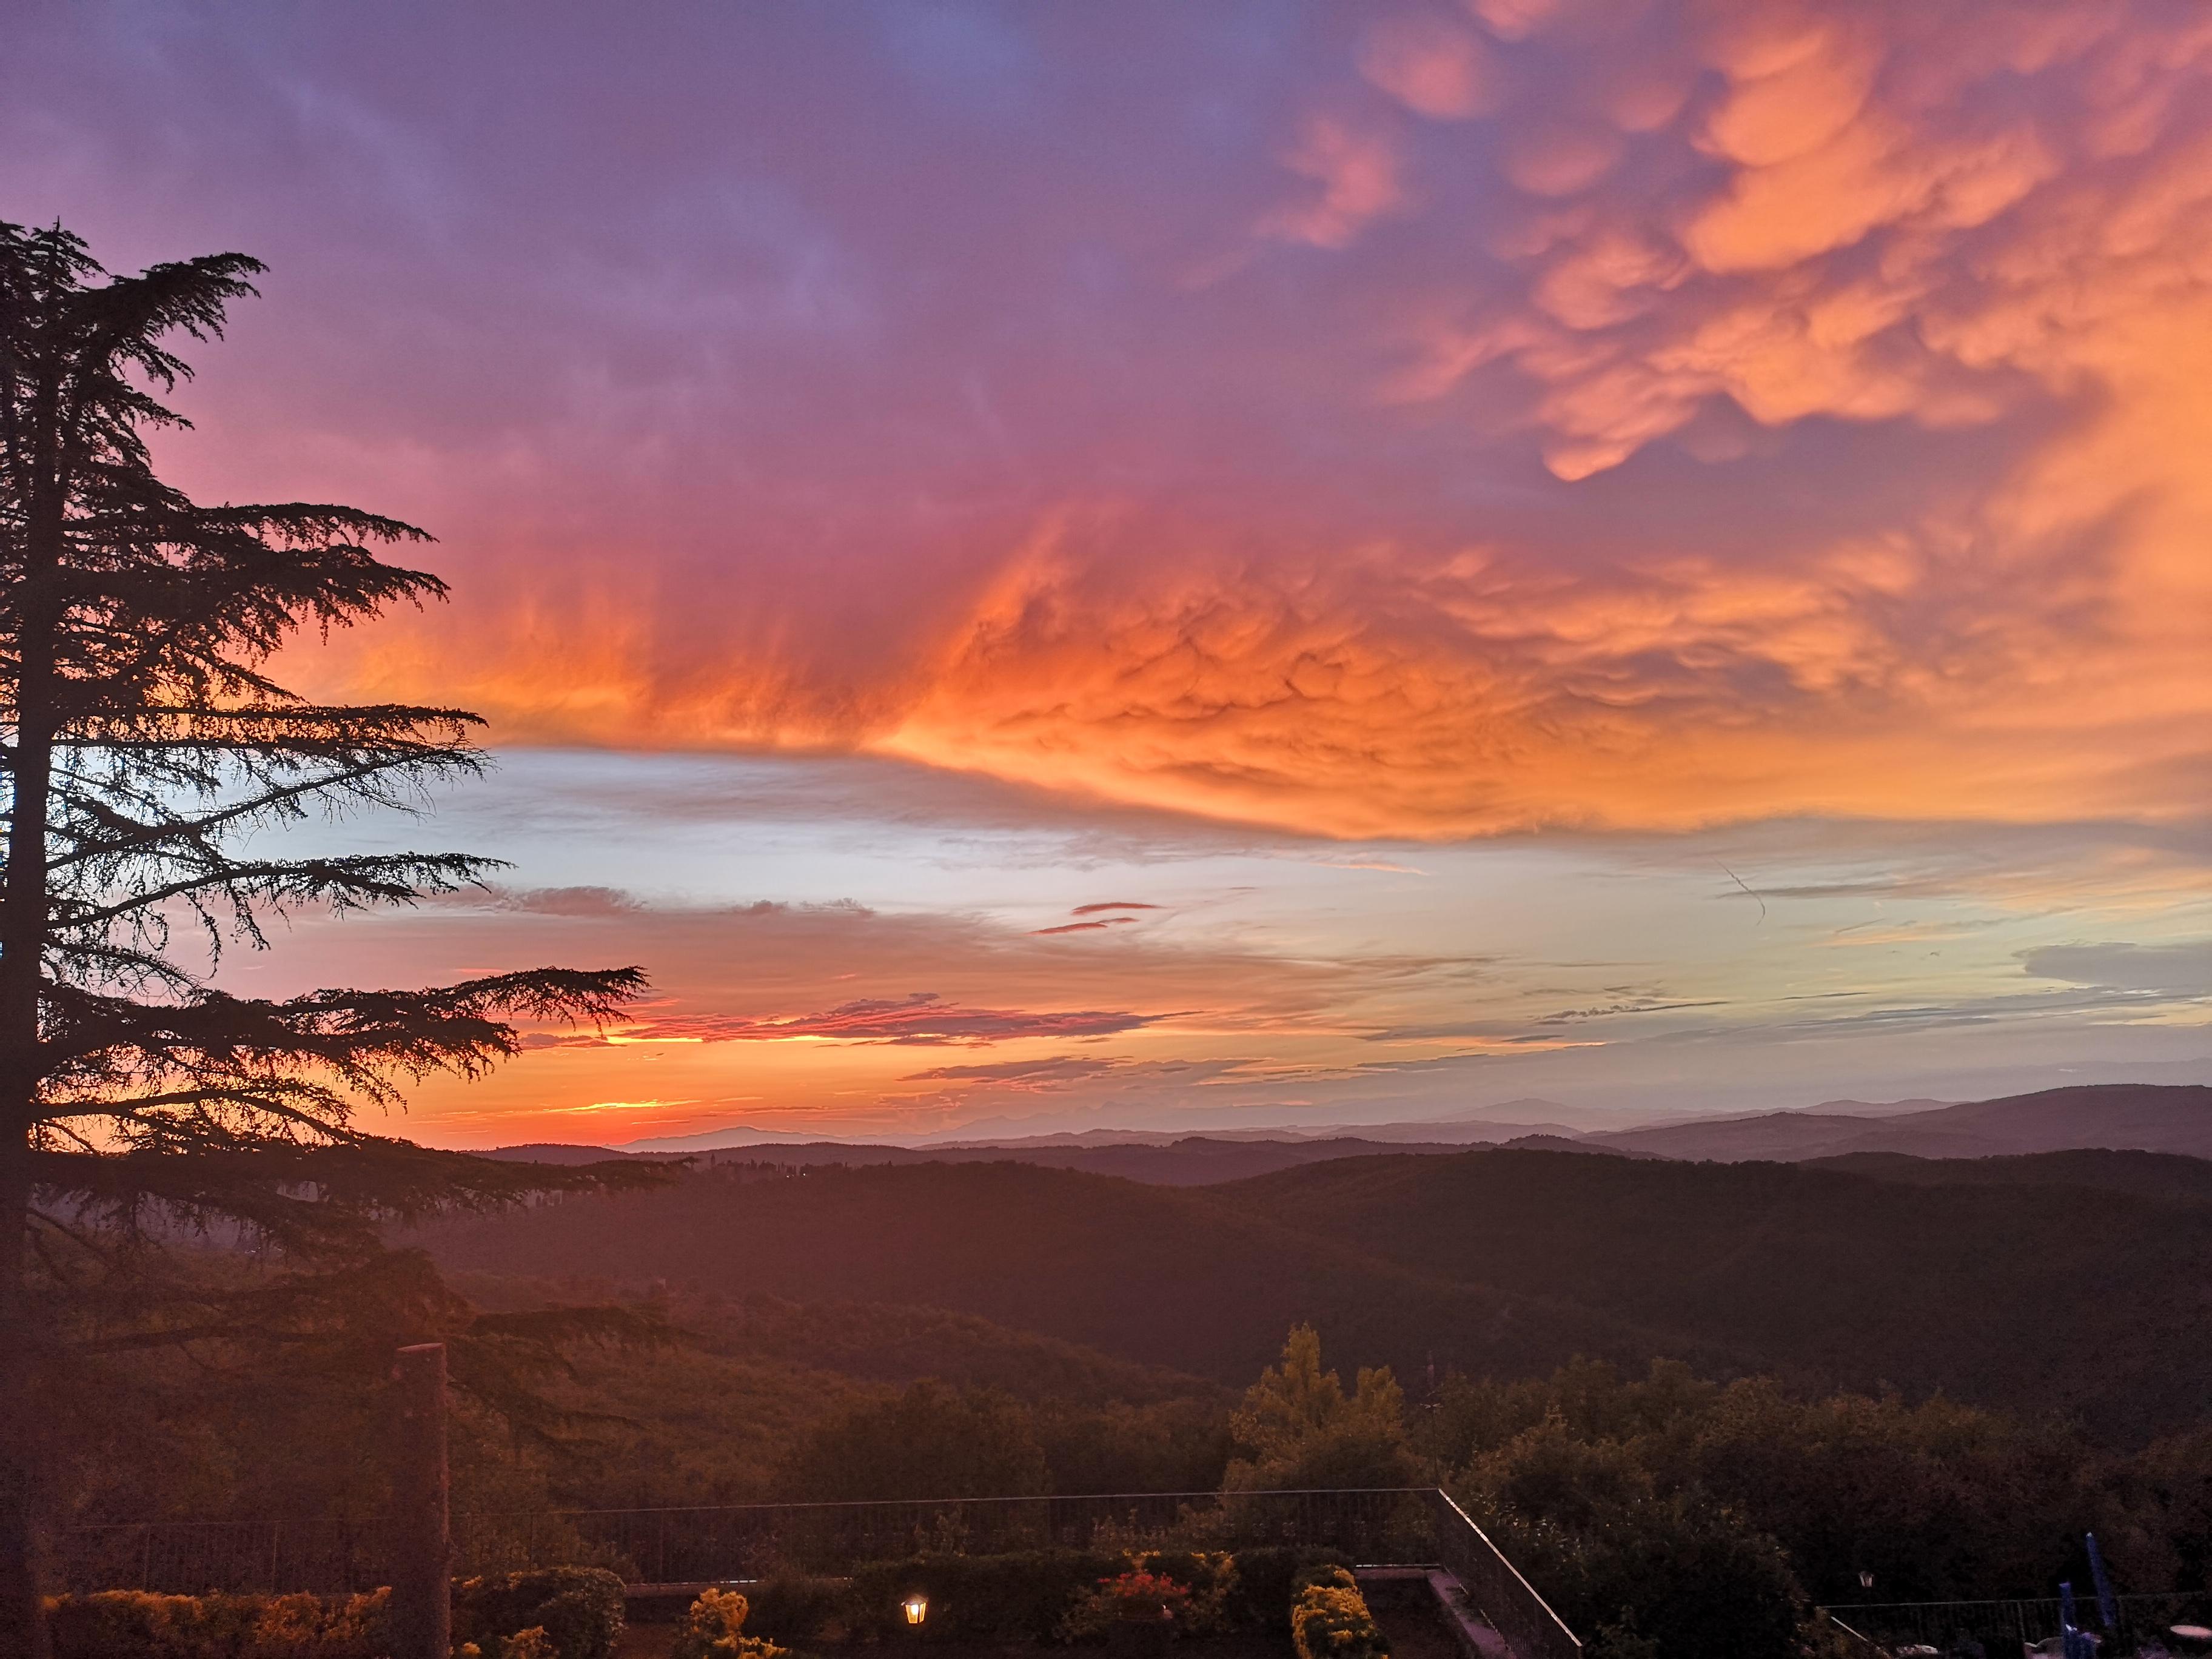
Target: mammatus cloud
x=1355, y=174
x=1583, y=417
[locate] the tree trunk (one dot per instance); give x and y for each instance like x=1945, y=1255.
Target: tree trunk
x=22, y=1619
x=24, y=927
x=422, y=1564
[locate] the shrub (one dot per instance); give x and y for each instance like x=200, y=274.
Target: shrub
x=1685, y=1575
x=1267, y=1580
x=715, y=1629
x=579, y=1608
x=530, y=1643
x=1135, y=1597
x=793, y=1608
x=1209, y=1575
x=1020, y=1597
x=138, y=1625
x=1330, y=1620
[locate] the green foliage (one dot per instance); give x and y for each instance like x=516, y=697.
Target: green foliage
x=531, y=1643
x=793, y=1607
x=1168, y=1445
x=1938, y=1500
x=1329, y=1619
x=1297, y=1428
x=1023, y=1597
x=1136, y=1596
x=1269, y=1580
x=714, y=1629
x=1685, y=1574
x=579, y=1608
x=930, y=1442
x=1190, y=1589
x=132, y=1624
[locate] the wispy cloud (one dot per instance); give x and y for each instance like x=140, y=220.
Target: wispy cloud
x=923, y=1019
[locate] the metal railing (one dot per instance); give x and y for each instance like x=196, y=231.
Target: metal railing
x=332, y=1556
x=1495, y=1588
x=1995, y=1625
x=1383, y=1526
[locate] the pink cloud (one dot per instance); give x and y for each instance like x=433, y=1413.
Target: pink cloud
x=1772, y=411
x=1357, y=171
x=923, y=1019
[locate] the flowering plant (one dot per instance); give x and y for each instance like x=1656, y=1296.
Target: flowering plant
x=1137, y=1596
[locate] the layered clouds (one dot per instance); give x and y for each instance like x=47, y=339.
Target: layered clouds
x=1384, y=419
x=1402, y=423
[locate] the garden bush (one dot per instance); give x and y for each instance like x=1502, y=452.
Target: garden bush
x=1020, y=1597
x=566, y=1613
x=1330, y=1620
x=138, y=1625
x=794, y=1608
x=1137, y=1596
x=1269, y=1580
x=715, y=1629
x=579, y=1608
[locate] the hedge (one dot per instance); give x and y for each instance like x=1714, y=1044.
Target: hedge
x=1020, y=1597
x=138, y=1625
x=1269, y=1580
x=1025, y=1597
x=579, y=1608
x=1330, y=1620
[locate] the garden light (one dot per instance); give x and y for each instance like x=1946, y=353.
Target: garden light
x=917, y=1607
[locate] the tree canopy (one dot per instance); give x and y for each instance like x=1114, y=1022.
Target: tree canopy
x=145, y=753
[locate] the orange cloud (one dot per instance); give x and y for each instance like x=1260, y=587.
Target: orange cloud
x=1901, y=315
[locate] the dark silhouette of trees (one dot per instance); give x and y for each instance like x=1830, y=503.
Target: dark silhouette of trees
x=930, y=1442
x=142, y=743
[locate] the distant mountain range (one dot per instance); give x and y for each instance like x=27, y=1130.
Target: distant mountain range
x=2123, y=1116
x=1192, y=1161
x=2126, y=1116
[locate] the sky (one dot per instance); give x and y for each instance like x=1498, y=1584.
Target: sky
x=1045, y=566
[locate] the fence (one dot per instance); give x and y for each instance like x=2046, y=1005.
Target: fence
x=1389, y=1525
x=695, y=1544
x=2004, y=1628
x=1496, y=1589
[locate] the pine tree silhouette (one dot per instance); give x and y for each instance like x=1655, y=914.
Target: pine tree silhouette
x=141, y=742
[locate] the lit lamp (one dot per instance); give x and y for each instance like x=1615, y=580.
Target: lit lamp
x=917, y=1607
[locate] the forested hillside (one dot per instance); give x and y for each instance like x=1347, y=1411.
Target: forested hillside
x=1491, y=1262
x=1184, y=1278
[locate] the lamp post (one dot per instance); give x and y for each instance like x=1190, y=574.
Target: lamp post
x=917, y=1609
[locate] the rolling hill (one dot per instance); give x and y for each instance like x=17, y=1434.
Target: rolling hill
x=2047, y=1284
x=1189, y=1161
x=2080, y=1300
x=1161, y=1276
x=2124, y=1116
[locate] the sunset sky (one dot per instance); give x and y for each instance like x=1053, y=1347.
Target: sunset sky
x=1052, y=566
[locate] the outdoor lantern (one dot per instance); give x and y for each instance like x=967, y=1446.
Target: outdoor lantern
x=1866, y=1580
x=917, y=1607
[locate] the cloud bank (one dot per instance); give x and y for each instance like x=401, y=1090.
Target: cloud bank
x=1400, y=420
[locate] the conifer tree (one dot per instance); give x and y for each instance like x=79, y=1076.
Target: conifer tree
x=142, y=746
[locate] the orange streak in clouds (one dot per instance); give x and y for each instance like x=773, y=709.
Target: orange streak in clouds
x=1840, y=245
